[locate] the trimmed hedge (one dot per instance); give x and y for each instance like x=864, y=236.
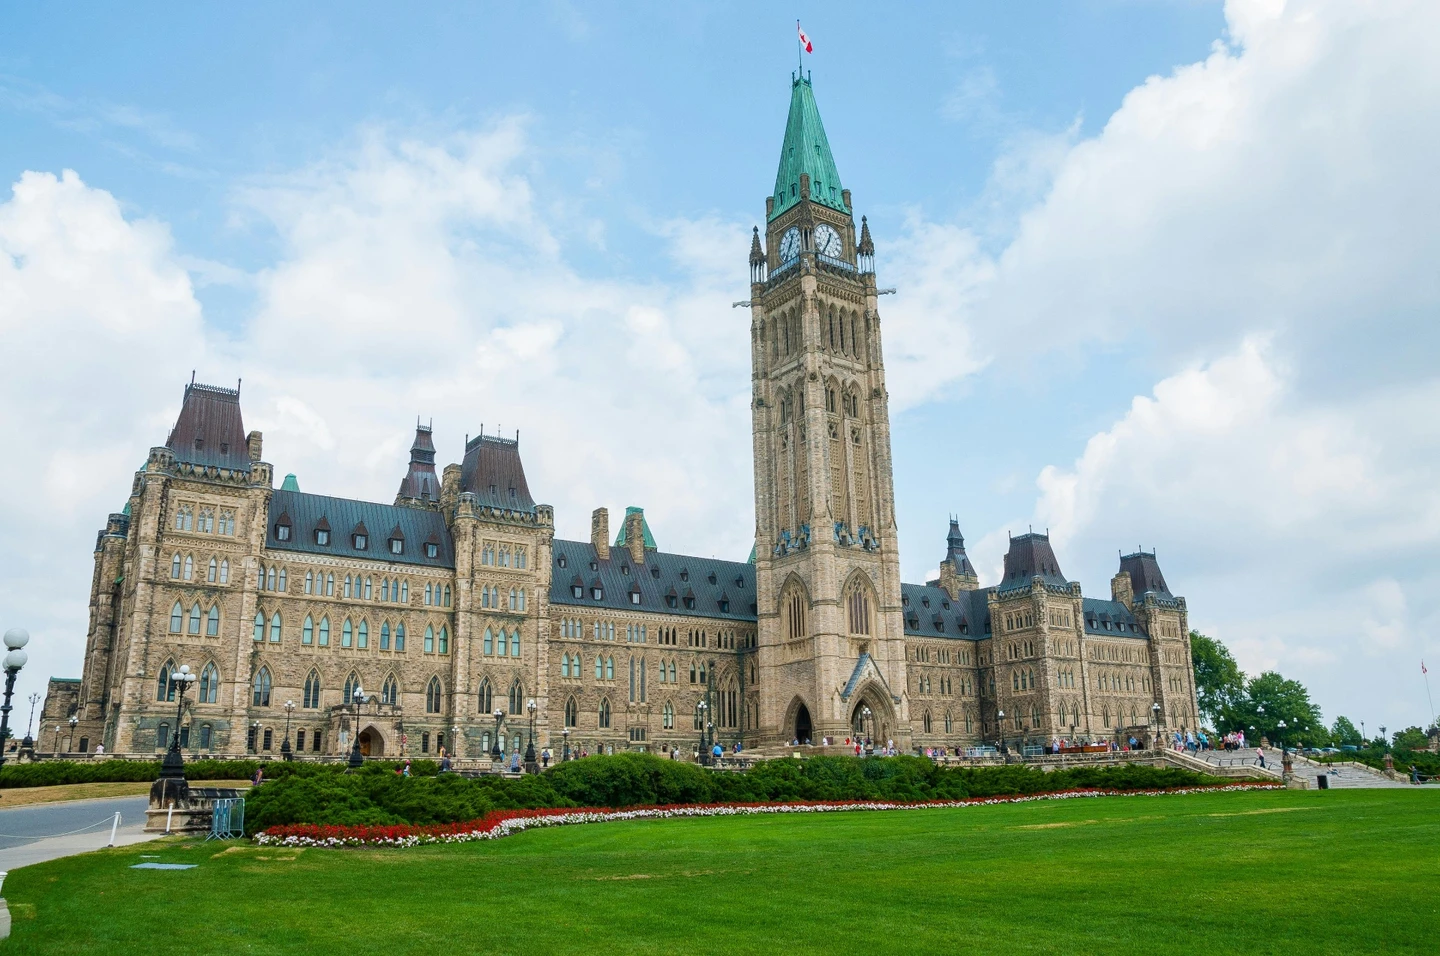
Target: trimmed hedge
x=378, y=796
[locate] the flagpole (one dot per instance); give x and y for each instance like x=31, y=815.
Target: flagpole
x=1426, y=674
x=799, y=52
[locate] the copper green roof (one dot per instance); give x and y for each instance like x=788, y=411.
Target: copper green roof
x=645, y=534
x=290, y=484
x=806, y=150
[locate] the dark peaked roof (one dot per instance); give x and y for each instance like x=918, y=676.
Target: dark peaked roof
x=492, y=470
x=421, y=481
x=955, y=550
x=209, y=430
x=1144, y=573
x=1030, y=554
x=309, y=512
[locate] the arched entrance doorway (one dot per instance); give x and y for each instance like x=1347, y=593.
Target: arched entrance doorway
x=802, y=724
x=371, y=743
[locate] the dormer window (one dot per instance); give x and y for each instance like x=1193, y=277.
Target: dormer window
x=597, y=593
x=724, y=606
x=560, y=561
x=625, y=569
x=199, y=443
x=577, y=590
x=432, y=550
x=684, y=574
x=594, y=566
x=397, y=545
x=672, y=599
x=711, y=579
x=282, y=532
x=739, y=581
x=635, y=597
x=655, y=572
x=322, y=536
x=224, y=448
x=361, y=541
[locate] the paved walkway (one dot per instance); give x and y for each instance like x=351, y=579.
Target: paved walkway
x=49, y=831
x=1346, y=777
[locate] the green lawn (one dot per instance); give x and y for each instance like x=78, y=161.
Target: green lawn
x=1284, y=872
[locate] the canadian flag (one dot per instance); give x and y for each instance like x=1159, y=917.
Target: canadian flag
x=805, y=43
x=1422, y=668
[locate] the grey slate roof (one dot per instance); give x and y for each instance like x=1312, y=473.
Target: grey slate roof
x=343, y=515
x=209, y=430
x=420, y=480
x=577, y=561
x=930, y=612
x=1099, y=613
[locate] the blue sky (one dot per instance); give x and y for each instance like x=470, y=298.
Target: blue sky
x=1144, y=253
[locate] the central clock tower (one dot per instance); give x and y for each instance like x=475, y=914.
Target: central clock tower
x=831, y=638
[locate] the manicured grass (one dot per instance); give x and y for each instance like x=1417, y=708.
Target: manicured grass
x=1289, y=871
x=60, y=793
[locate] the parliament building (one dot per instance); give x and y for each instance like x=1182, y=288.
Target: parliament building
x=456, y=600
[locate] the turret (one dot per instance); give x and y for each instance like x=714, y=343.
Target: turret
x=956, y=572
x=420, y=488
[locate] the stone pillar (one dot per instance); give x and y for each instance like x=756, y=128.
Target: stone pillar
x=600, y=533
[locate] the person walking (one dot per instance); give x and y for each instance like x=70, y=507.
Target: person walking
x=545, y=758
x=1261, y=755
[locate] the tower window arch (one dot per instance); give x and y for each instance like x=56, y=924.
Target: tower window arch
x=485, y=697
x=177, y=618
x=212, y=621
x=517, y=698
x=260, y=696
x=209, y=684
x=604, y=713
x=195, y=618
x=572, y=712
x=164, y=687
x=432, y=696
x=390, y=690
x=311, y=698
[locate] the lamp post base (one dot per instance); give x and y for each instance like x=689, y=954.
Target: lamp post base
x=173, y=766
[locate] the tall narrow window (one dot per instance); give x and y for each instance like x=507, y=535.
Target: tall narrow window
x=432, y=696
x=259, y=625
x=515, y=643
x=189, y=567
x=604, y=715
x=309, y=582
x=212, y=621
x=307, y=630
x=444, y=640
x=572, y=712
x=261, y=695
x=400, y=636
x=385, y=636
x=390, y=691
x=362, y=635
x=488, y=642
x=164, y=687
x=209, y=684
x=485, y=698
x=213, y=572
x=429, y=639
x=177, y=618
x=347, y=633
x=175, y=565
x=517, y=698
x=225, y=571
x=195, y=618
x=275, y=628
x=312, y=690
x=325, y=632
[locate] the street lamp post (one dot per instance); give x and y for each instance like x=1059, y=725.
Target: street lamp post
x=1000, y=728
x=530, y=765
x=865, y=723
x=565, y=736
x=704, y=747
x=455, y=741
x=70, y=741
x=495, y=753
x=285, y=753
x=357, y=759
x=1155, y=719
x=15, y=639
x=28, y=744
x=255, y=737
x=173, y=766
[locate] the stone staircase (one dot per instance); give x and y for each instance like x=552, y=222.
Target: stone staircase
x=1340, y=776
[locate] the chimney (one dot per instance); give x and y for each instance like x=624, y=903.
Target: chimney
x=635, y=535
x=253, y=443
x=1122, y=590
x=600, y=533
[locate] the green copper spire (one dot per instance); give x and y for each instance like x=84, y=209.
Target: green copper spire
x=290, y=484
x=806, y=150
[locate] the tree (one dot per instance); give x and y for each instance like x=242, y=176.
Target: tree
x=1411, y=738
x=1218, y=680
x=1270, y=699
x=1344, y=732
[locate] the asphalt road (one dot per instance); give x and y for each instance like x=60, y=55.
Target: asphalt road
x=22, y=825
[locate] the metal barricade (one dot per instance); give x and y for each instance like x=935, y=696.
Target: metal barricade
x=227, y=819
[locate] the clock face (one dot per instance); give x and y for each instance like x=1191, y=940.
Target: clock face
x=827, y=241
x=790, y=244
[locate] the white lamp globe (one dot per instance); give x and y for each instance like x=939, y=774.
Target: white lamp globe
x=16, y=659
x=16, y=638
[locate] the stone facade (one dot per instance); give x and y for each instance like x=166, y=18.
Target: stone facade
x=457, y=601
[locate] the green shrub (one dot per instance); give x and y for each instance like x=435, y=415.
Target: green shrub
x=632, y=779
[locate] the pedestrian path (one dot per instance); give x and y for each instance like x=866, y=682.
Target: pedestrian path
x=36, y=834
x=1346, y=776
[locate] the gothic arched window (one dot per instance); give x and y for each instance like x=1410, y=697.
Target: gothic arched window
x=212, y=621
x=195, y=618
x=572, y=712
x=486, y=697
x=390, y=690
x=604, y=713
x=352, y=684
x=517, y=698
x=432, y=696
x=177, y=618
x=261, y=694
x=164, y=687
x=311, y=699
x=209, y=684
